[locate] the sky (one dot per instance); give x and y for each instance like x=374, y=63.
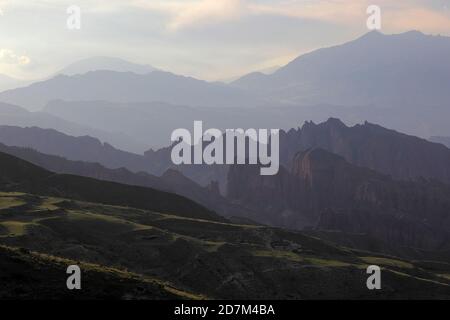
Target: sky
x=206, y=39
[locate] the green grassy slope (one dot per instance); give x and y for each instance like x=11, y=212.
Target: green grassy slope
x=198, y=257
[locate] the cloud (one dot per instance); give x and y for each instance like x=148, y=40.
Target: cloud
x=397, y=15
x=337, y=11
x=8, y=56
x=188, y=13
x=420, y=18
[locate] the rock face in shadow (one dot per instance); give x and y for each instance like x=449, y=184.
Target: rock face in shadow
x=322, y=190
x=372, y=146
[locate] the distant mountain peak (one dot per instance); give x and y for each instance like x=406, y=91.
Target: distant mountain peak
x=105, y=63
x=374, y=34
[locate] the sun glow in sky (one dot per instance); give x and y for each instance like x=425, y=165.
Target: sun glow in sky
x=208, y=39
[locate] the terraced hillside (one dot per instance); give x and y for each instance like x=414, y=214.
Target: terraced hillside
x=135, y=253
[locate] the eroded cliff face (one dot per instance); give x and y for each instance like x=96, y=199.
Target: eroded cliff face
x=322, y=190
x=372, y=146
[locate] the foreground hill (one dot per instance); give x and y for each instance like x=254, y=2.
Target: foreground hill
x=36, y=276
x=189, y=258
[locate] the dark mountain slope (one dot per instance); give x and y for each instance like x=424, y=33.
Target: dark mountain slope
x=19, y=175
x=171, y=181
x=372, y=146
x=321, y=184
x=32, y=276
x=84, y=148
x=191, y=258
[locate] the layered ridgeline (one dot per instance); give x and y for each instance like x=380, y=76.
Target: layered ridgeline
x=368, y=145
x=387, y=151
x=128, y=87
x=170, y=181
x=134, y=252
x=17, y=116
x=22, y=176
x=402, y=70
x=322, y=190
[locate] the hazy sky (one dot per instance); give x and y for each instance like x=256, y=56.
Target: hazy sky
x=209, y=39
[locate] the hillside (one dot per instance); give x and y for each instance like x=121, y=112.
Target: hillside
x=36, y=276
x=232, y=261
x=19, y=175
x=171, y=181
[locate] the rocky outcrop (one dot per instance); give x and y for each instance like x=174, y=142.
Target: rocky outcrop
x=372, y=146
x=325, y=191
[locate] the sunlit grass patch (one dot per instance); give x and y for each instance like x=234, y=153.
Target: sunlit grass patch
x=15, y=228
x=387, y=262
x=8, y=202
x=49, y=204
x=277, y=255
x=327, y=263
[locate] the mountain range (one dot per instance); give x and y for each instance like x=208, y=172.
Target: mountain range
x=105, y=63
x=170, y=181
x=376, y=69
x=86, y=177
x=380, y=78
x=115, y=86
x=386, y=151
x=13, y=115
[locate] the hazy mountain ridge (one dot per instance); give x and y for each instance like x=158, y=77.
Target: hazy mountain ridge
x=12, y=115
x=81, y=148
x=128, y=87
x=105, y=63
x=376, y=69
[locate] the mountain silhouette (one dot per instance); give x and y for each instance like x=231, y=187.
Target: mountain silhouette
x=19, y=175
x=12, y=115
x=128, y=87
x=105, y=63
x=401, y=70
